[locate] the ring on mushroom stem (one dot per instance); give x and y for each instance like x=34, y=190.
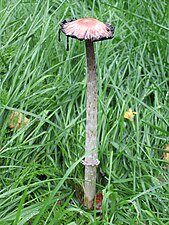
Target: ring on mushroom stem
x=90, y=30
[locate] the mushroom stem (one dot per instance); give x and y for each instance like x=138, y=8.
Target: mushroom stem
x=91, y=160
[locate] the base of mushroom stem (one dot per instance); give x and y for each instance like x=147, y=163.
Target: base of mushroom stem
x=91, y=162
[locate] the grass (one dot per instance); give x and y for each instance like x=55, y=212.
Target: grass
x=41, y=173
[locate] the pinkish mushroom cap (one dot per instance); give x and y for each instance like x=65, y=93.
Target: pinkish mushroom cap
x=87, y=29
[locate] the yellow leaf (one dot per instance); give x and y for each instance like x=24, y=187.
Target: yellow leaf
x=129, y=114
x=17, y=120
x=166, y=154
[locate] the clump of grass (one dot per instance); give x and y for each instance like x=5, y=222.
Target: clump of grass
x=40, y=163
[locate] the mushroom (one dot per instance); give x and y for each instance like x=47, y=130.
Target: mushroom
x=90, y=30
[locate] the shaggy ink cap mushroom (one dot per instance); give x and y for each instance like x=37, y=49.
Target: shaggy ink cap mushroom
x=87, y=29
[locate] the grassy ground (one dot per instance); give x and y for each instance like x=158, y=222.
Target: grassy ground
x=40, y=169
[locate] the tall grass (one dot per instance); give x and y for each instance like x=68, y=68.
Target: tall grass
x=41, y=173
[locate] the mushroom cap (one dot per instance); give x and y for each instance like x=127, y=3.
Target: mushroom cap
x=87, y=29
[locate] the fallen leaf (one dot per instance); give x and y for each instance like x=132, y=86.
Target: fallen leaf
x=99, y=199
x=166, y=154
x=17, y=120
x=129, y=114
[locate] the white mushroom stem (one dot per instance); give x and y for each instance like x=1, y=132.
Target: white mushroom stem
x=91, y=161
